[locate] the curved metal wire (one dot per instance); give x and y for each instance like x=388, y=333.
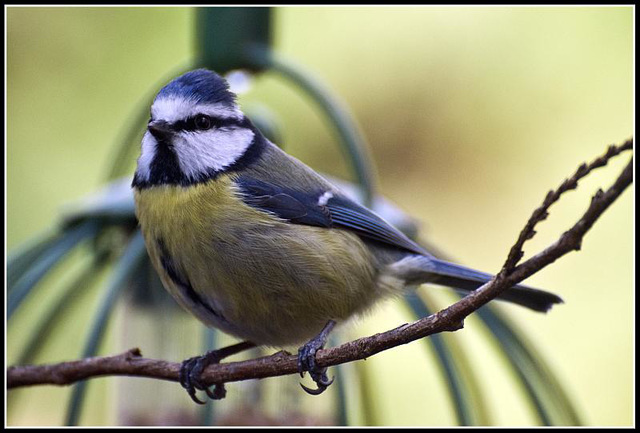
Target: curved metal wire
x=54, y=254
x=457, y=389
x=47, y=323
x=542, y=387
x=126, y=266
x=21, y=259
x=351, y=138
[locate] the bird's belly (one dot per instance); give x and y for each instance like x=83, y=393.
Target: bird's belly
x=258, y=278
x=279, y=284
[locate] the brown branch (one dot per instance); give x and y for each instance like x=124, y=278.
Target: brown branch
x=281, y=363
x=542, y=212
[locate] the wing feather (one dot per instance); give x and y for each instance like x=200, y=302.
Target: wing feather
x=338, y=211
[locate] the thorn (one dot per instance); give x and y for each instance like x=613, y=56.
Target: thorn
x=134, y=353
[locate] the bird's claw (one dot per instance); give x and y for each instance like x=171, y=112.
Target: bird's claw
x=321, y=380
x=190, y=373
x=307, y=362
x=192, y=369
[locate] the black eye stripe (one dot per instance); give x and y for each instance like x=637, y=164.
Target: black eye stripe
x=189, y=124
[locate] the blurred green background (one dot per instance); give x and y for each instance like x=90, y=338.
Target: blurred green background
x=472, y=115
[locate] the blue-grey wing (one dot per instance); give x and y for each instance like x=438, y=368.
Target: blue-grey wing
x=317, y=208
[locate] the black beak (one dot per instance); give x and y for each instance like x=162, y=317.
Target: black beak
x=160, y=129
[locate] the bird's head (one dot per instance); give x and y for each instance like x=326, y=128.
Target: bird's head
x=195, y=132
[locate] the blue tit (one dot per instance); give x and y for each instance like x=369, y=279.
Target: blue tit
x=255, y=243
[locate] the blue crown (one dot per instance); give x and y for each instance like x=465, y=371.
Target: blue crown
x=201, y=86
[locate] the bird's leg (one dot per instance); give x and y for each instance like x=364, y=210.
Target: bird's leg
x=192, y=368
x=307, y=360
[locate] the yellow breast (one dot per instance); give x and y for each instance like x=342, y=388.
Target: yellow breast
x=186, y=220
x=274, y=282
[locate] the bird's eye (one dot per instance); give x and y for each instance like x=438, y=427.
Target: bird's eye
x=203, y=122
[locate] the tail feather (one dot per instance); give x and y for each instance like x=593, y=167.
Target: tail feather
x=466, y=279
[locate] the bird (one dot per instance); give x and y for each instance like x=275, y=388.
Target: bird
x=255, y=243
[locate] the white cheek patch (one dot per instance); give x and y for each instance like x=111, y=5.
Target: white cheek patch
x=174, y=108
x=202, y=152
x=147, y=152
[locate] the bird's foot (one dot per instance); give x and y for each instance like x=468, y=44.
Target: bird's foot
x=190, y=373
x=307, y=361
x=192, y=368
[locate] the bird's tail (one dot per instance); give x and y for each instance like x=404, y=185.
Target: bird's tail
x=437, y=271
